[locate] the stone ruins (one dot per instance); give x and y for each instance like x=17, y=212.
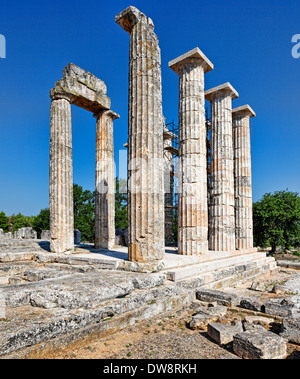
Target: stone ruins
x=55, y=290
x=224, y=224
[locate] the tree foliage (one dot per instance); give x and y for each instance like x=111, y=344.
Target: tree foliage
x=84, y=212
x=3, y=222
x=276, y=220
x=19, y=221
x=41, y=221
x=121, y=218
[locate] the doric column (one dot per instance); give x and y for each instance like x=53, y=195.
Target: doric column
x=61, y=175
x=105, y=181
x=221, y=215
x=145, y=140
x=192, y=205
x=242, y=177
x=168, y=180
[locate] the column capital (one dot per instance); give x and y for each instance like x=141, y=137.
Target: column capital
x=192, y=56
x=131, y=16
x=57, y=94
x=225, y=89
x=108, y=113
x=244, y=111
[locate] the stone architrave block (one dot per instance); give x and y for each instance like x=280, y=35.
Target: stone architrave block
x=259, y=344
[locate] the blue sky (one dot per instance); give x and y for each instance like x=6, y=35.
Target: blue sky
x=249, y=43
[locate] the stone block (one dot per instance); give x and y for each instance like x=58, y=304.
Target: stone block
x=224, y=333
x=259, y=344
x=291, y=330
x=25, y=233
x=288, y=307
x=77, y=236
x=252, y=304
x=207, y=315
x=222, y=298
x=45, y=235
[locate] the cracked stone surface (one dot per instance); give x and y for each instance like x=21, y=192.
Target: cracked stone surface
x=242, y=177
x=145, y=139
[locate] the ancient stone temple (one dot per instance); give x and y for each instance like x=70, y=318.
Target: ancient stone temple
x=83, y=89
x=242, y=177
x=192, y=206
x=222, y=211
x=145, y=140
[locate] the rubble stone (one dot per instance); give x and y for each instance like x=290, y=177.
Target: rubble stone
x=207, y=315
x=291, y=330
x=259, y=344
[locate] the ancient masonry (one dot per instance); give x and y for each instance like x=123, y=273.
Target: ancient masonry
x=242, y=177
x=192, y=206
x=145, y=140
x=225, y=225
x=88, y=92
x=222, y=218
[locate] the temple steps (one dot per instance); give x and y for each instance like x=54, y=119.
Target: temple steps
x=223, y=269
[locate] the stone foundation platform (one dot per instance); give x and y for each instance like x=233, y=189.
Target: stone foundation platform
x=53, y=299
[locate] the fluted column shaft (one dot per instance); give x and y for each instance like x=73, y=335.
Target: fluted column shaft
x=222, y=212
x=168, y=172
x=61, y=176
x=242, y=180
x=192, y=202
x=105, y=181
x=145, y=140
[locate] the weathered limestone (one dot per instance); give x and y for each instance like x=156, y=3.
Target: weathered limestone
x=88, y=92
x=105, y=181
x=145, y=139
x=83, y=89
x=77, y=236
x=192, y=205
x=25, y=233
x=168, y=172
x=259, y=344
x=61, y=175
x=242, y=177
x=224, y=333
x=221, y=215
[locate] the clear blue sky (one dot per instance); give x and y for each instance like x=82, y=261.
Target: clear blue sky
x=249, y=43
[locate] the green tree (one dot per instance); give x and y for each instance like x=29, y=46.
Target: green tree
x=84, y=212
x=20, y=221
x=3, y=222
x=121, y=219
x=276, y=220
x=41, y=221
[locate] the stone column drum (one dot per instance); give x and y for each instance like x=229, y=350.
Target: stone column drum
x=145, y=140
x=242, y=177
x=221, y=215
x=168, y=188
x=105, y=181
x=61, y=175
x=192, y=205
